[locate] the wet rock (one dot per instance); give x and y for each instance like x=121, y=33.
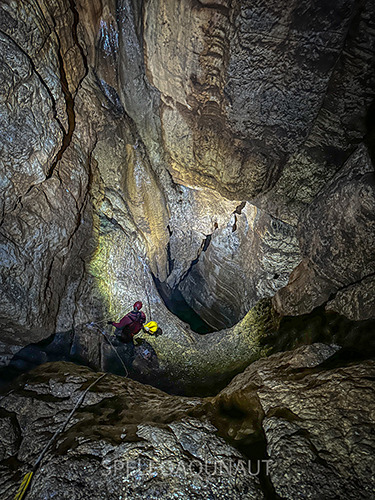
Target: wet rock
x=180, y=360
x=200, y=364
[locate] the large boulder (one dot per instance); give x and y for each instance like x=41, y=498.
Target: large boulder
x=316, y=417
x=295, y=424
x=125, y=440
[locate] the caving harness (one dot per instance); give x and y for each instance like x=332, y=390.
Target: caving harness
x=152, y=329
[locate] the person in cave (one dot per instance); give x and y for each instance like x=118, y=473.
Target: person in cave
x=130, y=324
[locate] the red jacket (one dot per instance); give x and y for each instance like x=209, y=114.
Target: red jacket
x=132, y=322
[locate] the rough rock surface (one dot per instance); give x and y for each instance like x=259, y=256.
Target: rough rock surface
x=252, y=87
x=125, y=440
x=331, y=234
x=244, y=262
x=308, y=418
x=356, y=301
x=180, y=360
x=130, y=140
x=45, y=171
x=340, y=122
x=318, y=422
x=137, y=140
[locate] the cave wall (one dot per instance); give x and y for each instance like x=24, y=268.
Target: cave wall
x=44, y=165
x=337, y=239
x=74, y=145
x=199, y=142
x=312, y=432
x=267, y=104
x=248, y=259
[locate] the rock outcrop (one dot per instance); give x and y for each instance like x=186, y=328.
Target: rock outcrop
x=301, y=420
x=331, y=234
x=245, y=86
x=316, y=421
x=46, y=217
x=179, y=361
x=221, y=149
x=244, y=262
x=129, y=142
x=125, y=440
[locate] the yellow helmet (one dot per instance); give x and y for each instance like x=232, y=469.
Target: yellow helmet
x=151, y=327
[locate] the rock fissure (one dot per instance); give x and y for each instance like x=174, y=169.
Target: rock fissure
x=34, y=69
x=346, y=287
x=69, y=101
x=55, y=114
x=208, y=159
x=77, y=42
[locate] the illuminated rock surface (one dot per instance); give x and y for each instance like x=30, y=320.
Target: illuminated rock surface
x=133, y=147
x=313, y=420
x=335, y=260
x=122, y=426
x=222, y=151
x=317, y=420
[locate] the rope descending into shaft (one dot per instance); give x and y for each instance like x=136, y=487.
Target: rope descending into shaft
x=27, y=478
x=115, y=351
x=98, y=327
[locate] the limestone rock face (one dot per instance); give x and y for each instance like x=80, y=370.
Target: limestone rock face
x=44, y=172
x=340, y=121
x=245, y=86
x=125, y=440
x=307, y=419
x=355, y=301
x=71, y=204
x=247, y=260
x=316, y=421
x=180, y=361
x=331, y=233
x=218, y=147
x=134, y=131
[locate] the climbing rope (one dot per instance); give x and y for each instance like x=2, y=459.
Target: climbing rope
x=28, y=477
x=115, y=351
x=96, y=324
x=21, y=492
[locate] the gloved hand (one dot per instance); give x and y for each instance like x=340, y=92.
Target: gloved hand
x=110, y=323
